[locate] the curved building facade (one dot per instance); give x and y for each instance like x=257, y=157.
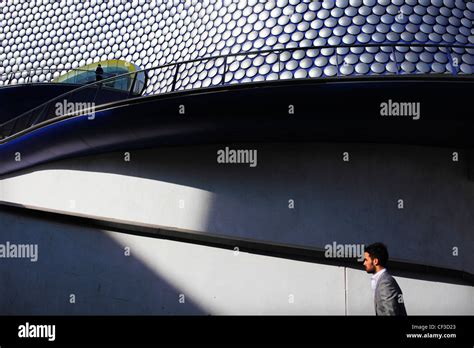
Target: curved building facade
x=144, y=172
x=69, y=34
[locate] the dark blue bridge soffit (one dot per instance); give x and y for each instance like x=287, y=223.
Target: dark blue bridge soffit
x=340, y=110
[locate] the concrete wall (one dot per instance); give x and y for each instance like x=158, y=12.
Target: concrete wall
x=345, y=202
x=92, y=265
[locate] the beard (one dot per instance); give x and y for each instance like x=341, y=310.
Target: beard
x=370, y=270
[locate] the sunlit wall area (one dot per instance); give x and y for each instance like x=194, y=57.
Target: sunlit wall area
x=86, y=271
x=416, y=199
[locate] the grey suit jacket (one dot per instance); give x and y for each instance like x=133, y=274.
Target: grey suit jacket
x=388, y=296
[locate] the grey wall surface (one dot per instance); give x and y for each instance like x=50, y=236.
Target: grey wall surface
x=335, y=201
x=91, y=264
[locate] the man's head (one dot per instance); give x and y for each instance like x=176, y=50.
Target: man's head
x=375, y=257
x=99, y=65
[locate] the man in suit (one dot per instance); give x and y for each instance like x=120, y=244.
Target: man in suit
x=388, y=297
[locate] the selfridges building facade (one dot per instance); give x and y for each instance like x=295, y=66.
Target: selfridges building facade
x=247, y=235
x=42, y=39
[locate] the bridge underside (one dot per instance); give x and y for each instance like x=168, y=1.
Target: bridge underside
x=331, y=110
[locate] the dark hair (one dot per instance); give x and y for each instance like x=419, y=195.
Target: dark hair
x=378, y=251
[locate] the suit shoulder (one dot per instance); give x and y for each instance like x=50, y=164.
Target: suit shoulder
x=387, y=278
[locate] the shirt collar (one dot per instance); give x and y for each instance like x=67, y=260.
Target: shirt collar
x=377, y=275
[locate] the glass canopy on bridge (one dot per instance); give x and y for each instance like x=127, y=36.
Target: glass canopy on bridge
x=110, y=68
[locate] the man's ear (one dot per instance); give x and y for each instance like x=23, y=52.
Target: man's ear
x=375, y=261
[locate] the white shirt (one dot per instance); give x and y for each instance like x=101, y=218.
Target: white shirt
x=375, y=278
